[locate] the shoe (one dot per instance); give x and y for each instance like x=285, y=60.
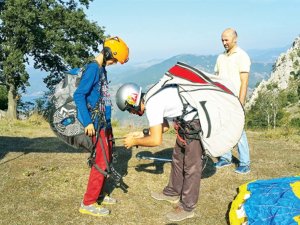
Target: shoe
x=107, y=200
x=163, y=197
x=222, y=163
x=179, y=214
x=243, y=169
x=93, y=209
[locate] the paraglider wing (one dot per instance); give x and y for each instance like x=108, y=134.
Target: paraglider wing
x=267, y=202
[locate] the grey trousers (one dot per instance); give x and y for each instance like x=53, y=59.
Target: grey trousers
x=186, y=173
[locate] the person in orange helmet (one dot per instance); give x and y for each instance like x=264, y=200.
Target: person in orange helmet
x=92, y=97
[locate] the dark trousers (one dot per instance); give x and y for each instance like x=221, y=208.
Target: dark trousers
x=186, y=172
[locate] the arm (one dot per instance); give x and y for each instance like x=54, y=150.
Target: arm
x=165, y=126
x=244, y=76
x=80, y=97
x=153, y=139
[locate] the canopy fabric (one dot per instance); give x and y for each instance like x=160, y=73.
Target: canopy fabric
x=267, y=202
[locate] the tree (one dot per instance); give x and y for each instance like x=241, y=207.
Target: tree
x=267, y=110
x=55, y=34
x=263, y=104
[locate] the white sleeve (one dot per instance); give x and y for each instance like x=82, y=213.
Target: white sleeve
x=244, y=63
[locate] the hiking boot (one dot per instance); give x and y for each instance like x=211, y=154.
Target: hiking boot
x=179, y=214
x=243, y=169
x=107, y=200
x=93, y=209
x=222, y=163
x=162, y=197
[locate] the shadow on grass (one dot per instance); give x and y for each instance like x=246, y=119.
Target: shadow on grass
x=229, y=207
x=157, y=164
x=227, y=213
x=25, y=146
x=121, y=167
x=41, y=144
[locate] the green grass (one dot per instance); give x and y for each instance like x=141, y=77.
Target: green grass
x=43, y=180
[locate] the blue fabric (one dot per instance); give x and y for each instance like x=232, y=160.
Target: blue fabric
x=73, y=71
x=243, y=150
x=88, y=92
x=272, y=202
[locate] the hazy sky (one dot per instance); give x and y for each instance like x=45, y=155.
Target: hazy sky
x=158, y=29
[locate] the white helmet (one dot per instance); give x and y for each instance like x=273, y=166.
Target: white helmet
x=129, y=97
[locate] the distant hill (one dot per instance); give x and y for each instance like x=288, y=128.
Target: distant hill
x=152, y=74
x=147, y=73
x=266, y=55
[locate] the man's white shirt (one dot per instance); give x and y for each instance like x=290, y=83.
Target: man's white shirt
x=166, y=104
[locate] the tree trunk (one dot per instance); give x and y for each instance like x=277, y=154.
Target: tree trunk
x=12, y=102
x=274, y=119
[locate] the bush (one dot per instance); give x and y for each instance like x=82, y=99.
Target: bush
x=3, y=98
x=295, y=122
x=292, y=97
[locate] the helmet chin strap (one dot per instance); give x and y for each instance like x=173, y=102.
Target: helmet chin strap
x=107, y=55
x=140, y=113
x=138, y=108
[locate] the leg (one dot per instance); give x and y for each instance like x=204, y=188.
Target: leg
x=224, y=160
x=192, y=175
x=96, y=179
x=244, y=155
x=174, y=187
x=227, y=156
x=192, y=171
x=243, y=150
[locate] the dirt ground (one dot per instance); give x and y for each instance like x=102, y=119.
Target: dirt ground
x=43, y=180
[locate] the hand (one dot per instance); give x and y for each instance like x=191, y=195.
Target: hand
x=90, y=130
x=129, y=142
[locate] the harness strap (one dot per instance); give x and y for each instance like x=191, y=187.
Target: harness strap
x=110, y=171
x=180, y=127
x=177, y=127
x=99, y=118
x=105, y=156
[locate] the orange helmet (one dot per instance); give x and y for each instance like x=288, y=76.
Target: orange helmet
x=116, y=48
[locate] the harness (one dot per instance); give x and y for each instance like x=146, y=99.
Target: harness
x=187, y=131
x=110, y=172
x=99, y=116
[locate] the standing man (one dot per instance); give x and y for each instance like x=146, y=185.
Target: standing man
x=234, y=65
x=166, y=104
x=94, y=112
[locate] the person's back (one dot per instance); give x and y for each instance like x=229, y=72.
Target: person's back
x=165, y=104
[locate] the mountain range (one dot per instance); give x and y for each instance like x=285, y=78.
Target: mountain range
x=261, y=68
x=148, y=73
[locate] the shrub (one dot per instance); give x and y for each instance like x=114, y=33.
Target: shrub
x=3, y=97
x=295, y=122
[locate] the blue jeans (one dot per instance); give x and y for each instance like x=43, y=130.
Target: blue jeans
x=243, y=150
